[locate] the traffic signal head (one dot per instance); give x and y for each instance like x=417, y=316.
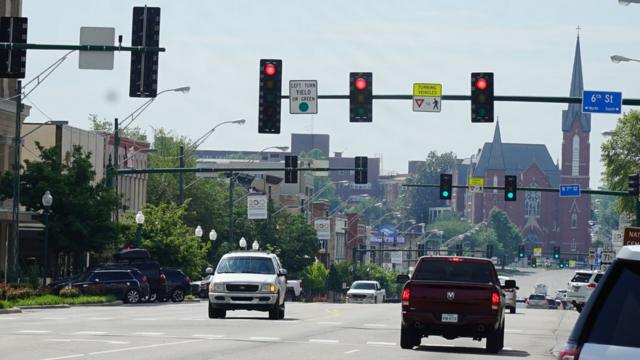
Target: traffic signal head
x=556, y=252
x=145, y=32
x=489, y=251
x=521, y=251
x=534, y=262
x=13, y=62
x=360, y=97
x=362, y=167
x=270, y=96
x=510, y=188
x=634, y=185
x=481, y=97
x=459, y=250
x=290, y=169
x=445, y=186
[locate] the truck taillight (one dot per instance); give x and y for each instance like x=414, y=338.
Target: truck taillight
x=495, y=300
x=187, y=279
x=406, y=295
x=570, y=352
x=591, y=286
x=456, y=259
x=301, y=284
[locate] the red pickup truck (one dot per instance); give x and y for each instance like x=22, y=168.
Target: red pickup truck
x=453, y=297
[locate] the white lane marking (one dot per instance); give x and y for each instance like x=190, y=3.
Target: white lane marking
x=208, y=336
x=376, y=325
x=144, y=319
x=8, y=318
x=89, y=340
x=513, y=330
x=194, y=319
x=34, y=331
x=144, y=347
x=381, y=343
x=324, y=341
x=351, y=351
x=52, y=318
x=64, y=357
x=264, y=338
x=145, y=333
x=90, y=333
x=329, y=323
x=99, y=318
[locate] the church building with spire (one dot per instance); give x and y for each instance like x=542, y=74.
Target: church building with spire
x=545, y=220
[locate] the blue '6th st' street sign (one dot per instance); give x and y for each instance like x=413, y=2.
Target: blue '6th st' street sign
x=608, y=102
x=570, y=190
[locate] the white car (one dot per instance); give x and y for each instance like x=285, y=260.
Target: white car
x=537, y=301
x=608, y=325
x=581, y=286
x=248, y=280
x=510, y=295
x=369, y=292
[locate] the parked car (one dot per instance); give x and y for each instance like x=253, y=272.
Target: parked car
x=129, y=285
x=365, y=291
x=177, y=285
x=581, y=286
x=510, y=295
x=608, y=325
x=201, y=287
x=537, y=301
x=248, y=280
x=295, y=289
x=453, y=297
x=141, y=260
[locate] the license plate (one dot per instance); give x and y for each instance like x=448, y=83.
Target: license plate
x=449, y=317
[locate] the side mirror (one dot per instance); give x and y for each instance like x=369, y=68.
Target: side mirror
x=509, y=284
x=283, y=272
x=402, y=278
x=209, y=270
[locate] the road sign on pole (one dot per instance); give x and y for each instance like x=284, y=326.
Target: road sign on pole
x=476, y=184
x=427, y=97
x=631, y=236
x=96, y=60
x=303, y=96
x=607, y=102
x=570, y=190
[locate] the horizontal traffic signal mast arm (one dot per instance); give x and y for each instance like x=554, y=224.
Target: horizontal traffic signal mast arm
x=583, y=191
x=508, y=98
x=214, y=170
x=19, y=46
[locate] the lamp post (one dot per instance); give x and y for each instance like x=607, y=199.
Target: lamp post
x=213, y=235
x=139, y=222
x=619, y=58
x=47, y=201
x=242, y=243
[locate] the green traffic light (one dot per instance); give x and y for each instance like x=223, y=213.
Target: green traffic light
x=445, y=193
x=510, y=195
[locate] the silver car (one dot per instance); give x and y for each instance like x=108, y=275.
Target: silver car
x=538, y=301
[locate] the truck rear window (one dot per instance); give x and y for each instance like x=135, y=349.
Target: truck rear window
x=462, y=271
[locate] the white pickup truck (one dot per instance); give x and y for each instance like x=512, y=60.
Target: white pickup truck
x=364, y=291
x=295, y=289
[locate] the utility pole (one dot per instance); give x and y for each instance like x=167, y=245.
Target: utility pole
x=231, y=183
x=17, y=147
x=116, y=146
x=181, y=177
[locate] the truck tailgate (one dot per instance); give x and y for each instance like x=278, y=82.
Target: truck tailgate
x=451, y=297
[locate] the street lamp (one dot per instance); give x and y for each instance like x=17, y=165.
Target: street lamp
x=619, y=58
x=255, y=246
x=139, y=221
x=47, y=201
x=204, y=137
x=134, y=115
x=198, y=231
x=243, y=243
x=213, y=235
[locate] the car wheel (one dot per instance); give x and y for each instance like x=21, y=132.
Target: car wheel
x=274, y=313
x=177, y=295
x=281, y=312
x=212, y=312
x=512, y=310
x=579, y=308
x=409, y=338
x=132, y=296
x=495, y=340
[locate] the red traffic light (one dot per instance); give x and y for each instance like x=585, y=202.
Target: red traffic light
x=270, y=69
x=481, y=84
x=360, y=84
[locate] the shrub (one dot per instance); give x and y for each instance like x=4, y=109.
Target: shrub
x=69, y=293
x=5, y=304
x=13, y=294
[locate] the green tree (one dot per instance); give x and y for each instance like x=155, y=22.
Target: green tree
x=621, y=157
x=606, y=215
x=420, y=199
x=170, y=240
x=315, y=279
x=450, y=225
x=506, y=233
x=80, y=217
x=105, y=125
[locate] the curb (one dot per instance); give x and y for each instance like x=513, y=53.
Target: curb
x=113, y=303
x=10, y=311
x=31, y=307
x=191, y=300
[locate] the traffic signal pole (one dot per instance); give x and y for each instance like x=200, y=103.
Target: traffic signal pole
x=583, y=191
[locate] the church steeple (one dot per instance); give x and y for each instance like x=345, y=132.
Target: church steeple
x=496, y=158
x=574, y=110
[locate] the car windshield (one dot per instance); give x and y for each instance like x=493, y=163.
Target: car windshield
x=615, y=321
x=581, y=278
x=462, y=271
x=248, y=264
x=536, y=297
x=364, y=286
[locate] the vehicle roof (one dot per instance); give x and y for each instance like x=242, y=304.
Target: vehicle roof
x=629, y=252
x=464, y=258
x=365, y=281
x=249, y=254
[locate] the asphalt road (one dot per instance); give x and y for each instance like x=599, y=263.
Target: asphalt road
x=554, y=279
x=309, y=331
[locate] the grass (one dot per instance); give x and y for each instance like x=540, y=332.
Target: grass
x=5, y=304
x=58, y=300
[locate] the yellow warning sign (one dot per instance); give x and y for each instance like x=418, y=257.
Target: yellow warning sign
x=434, y=90
x=476, y=181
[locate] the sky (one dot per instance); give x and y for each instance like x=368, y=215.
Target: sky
x=215, y=48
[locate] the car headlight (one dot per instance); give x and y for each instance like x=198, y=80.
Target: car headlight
x=271, y=288
x=218, y=287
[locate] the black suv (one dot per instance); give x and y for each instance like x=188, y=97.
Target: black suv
x=129, y=285
x=141, y=260
x=177, y=285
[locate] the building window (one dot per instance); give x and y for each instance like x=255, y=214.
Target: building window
x=532, y=204
x=340, y=246
x=574, y=220
x=495, y=183
x=575, y=156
